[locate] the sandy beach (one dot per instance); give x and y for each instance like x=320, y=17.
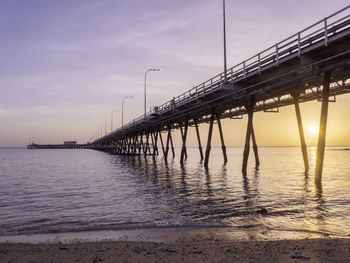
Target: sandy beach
x=200, y=249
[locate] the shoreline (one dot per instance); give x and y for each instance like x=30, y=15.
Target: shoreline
x=166, y=235
x=172, y=245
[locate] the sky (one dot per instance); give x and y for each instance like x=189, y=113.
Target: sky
x=66, y=65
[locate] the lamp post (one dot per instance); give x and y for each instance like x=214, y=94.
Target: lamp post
x=97, y=134
x=106, y=125
x=151, y=69
x=224, y=22
x=112, y=120
x=126, y=97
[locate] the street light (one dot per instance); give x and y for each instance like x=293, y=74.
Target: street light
x=126, y=97
x=224, y=22
x=97, y=133
x=112, y=120
x=151, y=69
x=106, y=125
x=101, y=130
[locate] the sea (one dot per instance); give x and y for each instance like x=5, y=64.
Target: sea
x=76, y=191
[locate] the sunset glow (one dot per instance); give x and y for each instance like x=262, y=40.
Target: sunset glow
x=313, y=129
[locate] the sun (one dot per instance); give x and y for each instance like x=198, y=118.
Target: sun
x=313, y=129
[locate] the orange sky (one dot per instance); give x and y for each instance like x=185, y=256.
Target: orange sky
x=281, y=129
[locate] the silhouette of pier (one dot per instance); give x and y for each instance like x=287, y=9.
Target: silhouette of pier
x=35, y=146
x=312, y=64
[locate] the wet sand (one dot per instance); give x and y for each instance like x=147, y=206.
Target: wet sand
x=191, y=249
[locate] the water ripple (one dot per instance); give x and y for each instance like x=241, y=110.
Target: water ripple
x=49, y=191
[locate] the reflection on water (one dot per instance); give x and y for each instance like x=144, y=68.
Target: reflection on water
x=59, y=190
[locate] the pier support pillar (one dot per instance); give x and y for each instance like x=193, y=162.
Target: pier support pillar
x=138, y=144
x=172, y=145
x=147, y=148
x=119, y=147
x=135, y=143
x=255, y=149
x=207, y=150
x=154, y=142
x=167, y=143
x=199, y=139
x=146, y=144
x=161, y=142
x=124, y=146
x=141, y=143
x=223, y=147
x=250, y=109
x=322, y=131
x=129, y=145
x=150, y=143
x=301, y=132
x=184, y=137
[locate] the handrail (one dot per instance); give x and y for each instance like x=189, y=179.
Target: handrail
x=255, y=63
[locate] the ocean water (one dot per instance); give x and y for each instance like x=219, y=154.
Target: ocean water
x=58, y=191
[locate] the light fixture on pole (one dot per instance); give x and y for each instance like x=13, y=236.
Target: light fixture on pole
x=112, y=120
x=97, y=134
x=101, y=129
x=106, y=125
x=151, y=69
x=126, y=97
x=224, y=22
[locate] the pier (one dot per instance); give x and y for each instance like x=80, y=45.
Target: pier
x=35, y=146
x=313, y=64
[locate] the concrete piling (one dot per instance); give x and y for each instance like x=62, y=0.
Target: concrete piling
x=322, y=131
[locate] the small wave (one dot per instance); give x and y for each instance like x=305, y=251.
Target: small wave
x=311, y=232
x=248, y=226
x=343, y=149
x=108, y=227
